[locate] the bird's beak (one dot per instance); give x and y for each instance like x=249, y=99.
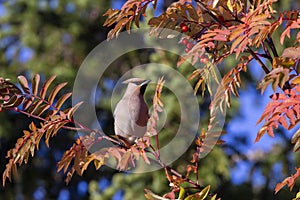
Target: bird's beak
x=145, y=82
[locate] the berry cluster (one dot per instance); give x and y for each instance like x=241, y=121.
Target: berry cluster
x=188, y=44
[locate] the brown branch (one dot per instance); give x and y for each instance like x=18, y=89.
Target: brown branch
x=264, y=67
x=267, y=53
x=272, y=46
x=44, y=120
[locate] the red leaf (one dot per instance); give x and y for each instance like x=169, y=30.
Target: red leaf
x=290, y=181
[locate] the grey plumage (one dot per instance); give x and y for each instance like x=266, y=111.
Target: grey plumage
x=131, y=113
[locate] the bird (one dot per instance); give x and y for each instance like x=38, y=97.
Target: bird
x=131, y=112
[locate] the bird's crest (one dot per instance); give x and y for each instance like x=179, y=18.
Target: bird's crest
x=137, y=81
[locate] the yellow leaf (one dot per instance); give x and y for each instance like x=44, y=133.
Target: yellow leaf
x=229, y=5
x=199, y=196
x=181, y=193
x=296, y=80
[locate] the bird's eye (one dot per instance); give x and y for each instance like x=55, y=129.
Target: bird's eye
x=138, y=82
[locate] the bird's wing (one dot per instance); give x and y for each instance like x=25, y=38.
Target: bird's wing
x=134, y=108
x=122, y=118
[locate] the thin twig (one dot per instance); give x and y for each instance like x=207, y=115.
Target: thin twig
x=267, y=53
x=44, y=120
x=157, y=145
x=264, y=67
x=211, y=14
x=272, y=46
x=197, y=164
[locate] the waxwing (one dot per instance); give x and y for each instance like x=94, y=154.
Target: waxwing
x=131, y=113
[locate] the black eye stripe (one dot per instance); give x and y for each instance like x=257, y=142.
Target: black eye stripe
x=139, y=83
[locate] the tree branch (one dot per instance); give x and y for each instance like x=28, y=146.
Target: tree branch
x=272, y=46
x=264, y=67
x=267, y=53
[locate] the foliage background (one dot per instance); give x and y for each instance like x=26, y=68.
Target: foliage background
x=53, y=37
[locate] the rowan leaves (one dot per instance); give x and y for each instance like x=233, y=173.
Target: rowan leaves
x=44, y=105
x=218, y=29
x=289, y=181
x=7, y=90
x=175, y=14
x=284, y=107
x=33, y=103
x=221, y=28
x=157, y=108
x=81, y=155
x=131, y=12
x=284, y=110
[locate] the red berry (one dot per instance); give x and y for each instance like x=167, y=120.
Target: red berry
x=221, y=18
x=186, y=50
x=184, y=41
x=184, y=27
x=189, y=45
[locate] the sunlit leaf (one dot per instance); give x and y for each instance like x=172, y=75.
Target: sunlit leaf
x=24, y=84
x=151, y=196
x=62, y=100
x=55, y=91
x=35, y=84
x=45, y=87
x=73, y=110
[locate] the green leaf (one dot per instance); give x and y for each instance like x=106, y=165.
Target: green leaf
x=181, y=193
x=297, y=196
x=203, y=194
x=200, y=195
x=214, y=197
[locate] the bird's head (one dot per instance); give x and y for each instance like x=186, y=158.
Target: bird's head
x=137, y=83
